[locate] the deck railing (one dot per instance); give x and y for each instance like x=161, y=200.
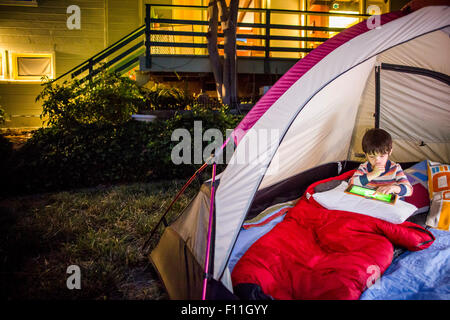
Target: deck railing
x=265, y=37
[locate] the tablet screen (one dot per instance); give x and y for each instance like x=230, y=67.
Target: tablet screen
x=369, y=193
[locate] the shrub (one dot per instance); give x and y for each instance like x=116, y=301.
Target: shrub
x=6, y=149
x=2, y=115
x=108, y=99
x=56, y=158
x=161, y=97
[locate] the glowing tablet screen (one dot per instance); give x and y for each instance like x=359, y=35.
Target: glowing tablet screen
x=369, y=193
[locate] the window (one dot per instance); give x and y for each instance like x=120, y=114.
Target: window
x=32, y=66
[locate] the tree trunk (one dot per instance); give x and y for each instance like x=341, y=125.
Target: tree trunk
x=225, y=74
x=213, y=51
x=230, y=68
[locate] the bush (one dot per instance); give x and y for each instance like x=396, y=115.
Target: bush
x=161, y=97
x=108, y=99
x=6, y=147
x=162, y=145
x=56, y=158
x=2, y=115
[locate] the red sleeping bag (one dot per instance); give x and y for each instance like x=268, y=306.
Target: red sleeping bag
x=315, y=253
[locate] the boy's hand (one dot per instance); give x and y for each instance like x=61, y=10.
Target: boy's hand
x=392, y=188
x=376, y=172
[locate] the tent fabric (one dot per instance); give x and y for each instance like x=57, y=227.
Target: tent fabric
x=313, y=118
x=240, y=181
x=299, y=69
x=179, y=255
x=325, y=119
x=192, y=224
x=177, y=266
x=405, y=95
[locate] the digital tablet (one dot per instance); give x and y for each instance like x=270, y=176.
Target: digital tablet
x=369, y=194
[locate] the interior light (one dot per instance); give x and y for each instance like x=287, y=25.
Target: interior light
x=342, y=22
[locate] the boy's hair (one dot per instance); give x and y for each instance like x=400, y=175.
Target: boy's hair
x=377, y=141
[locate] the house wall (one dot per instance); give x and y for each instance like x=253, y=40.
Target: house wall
x=43, y=29
x=123, y=17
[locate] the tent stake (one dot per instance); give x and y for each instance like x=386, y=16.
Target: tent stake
x=208, y=244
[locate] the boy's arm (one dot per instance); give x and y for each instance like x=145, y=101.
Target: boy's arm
x=359, y=178
x=403, y=182
x=362, y=176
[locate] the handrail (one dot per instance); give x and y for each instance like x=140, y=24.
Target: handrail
x=244, y=24
x=238, y=35
x=267, y=9
x=265, y=28
x=109, y=49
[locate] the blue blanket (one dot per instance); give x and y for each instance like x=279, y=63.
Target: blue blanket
x=421, y=275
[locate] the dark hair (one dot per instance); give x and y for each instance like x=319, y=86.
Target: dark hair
x=376, y=141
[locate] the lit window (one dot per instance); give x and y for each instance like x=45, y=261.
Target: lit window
x=32, y=66
x=342, y=22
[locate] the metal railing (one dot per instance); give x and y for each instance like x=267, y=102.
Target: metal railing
x=118, y=57
x=262, y=31
x=159, y=36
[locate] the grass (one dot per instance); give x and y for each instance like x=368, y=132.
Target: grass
x=101, y=230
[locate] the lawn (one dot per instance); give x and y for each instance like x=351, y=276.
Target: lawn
x=99, y=229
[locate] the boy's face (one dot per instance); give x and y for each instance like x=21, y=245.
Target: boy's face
x=378, y=159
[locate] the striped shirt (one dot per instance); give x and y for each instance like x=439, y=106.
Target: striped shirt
x=393, y=174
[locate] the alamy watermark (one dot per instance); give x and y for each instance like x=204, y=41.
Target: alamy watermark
x=374, y=21
x=373, y=281
x=74, y=20
x=74, y=280
x=258, y=147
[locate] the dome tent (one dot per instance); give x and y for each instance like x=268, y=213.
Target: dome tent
x=394, y=77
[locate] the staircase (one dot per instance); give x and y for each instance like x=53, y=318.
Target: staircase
x=121, y=56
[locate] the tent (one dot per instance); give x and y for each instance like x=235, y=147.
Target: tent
x=391, y=72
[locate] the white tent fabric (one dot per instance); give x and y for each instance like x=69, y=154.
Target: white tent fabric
x=353, y=61
x=324, y=130
x=404, y=96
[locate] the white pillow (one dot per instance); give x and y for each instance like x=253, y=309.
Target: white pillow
x=337, y=199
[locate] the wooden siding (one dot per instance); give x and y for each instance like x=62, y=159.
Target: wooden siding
x=123, y=17
x=43, y=29
x=19, y=99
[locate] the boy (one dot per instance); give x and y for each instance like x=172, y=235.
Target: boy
x=379, y=172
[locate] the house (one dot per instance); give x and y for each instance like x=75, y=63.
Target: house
x=62, y=39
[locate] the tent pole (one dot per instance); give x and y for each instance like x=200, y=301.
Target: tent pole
x=377, y=96
x=208, y=244
x=173, y=201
